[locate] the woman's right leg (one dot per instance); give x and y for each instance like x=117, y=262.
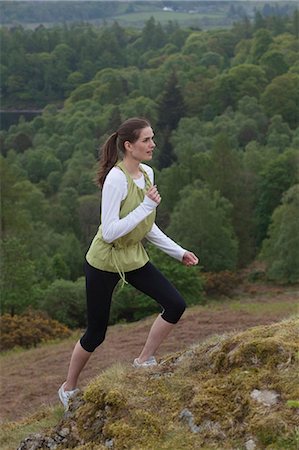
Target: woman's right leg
x=99, y=289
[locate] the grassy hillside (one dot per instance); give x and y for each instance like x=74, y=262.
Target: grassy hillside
x=237, y=390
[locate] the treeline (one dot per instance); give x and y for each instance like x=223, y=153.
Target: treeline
x=225, y=108
x=45, y=65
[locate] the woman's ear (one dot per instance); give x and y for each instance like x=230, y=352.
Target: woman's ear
x=127, y=146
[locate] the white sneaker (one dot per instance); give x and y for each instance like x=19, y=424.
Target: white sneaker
x=66, y=395
x=148, y=363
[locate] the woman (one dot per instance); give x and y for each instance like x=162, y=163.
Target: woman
x=129, y=202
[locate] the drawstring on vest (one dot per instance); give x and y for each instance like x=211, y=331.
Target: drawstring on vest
x=119, y=270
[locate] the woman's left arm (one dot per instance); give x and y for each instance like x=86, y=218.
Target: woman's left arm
x=167, y=245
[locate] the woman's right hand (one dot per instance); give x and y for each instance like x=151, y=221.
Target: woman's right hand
x=153, y=194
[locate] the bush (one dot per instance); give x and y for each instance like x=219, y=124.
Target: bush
x=29, y=329
x=64, y=301
x=281, y=249
x=220, y=283
x=201, y=221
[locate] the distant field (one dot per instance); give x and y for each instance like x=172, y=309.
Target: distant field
x=137, y=19
x=133, y=14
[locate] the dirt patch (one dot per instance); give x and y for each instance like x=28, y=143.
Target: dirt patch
x=30, y=379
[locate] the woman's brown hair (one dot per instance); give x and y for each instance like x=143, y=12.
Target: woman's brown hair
x=114, y=145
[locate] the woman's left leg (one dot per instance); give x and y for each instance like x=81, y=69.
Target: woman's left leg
x=158, y=332
x=152, y=282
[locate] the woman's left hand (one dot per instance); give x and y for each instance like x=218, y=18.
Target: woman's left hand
x=189, y=259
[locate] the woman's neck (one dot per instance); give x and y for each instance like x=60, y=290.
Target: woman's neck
x=133, y=167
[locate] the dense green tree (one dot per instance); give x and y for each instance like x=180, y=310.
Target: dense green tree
x=207, y=217
x=74, y=80
x=295, y=141
x=65, y=301
x=4, y=74
x=15, y=219
x=114, y=120
x=171, y=104
x=142, y=107
x=281, y=96
x=197, y=95
x=296, y=23
x=241, y=80
x=152, y=36
x=261, y=42
x=274, y=64
x=196, y=44
x=278, y=176
x=243, y=27
x=59, y=267
x=211, y=59
x=242, y=52
x=259, y=21
x=39, y=163
x=222, y=169
x=18, y=278
x=188, y=139
x=171, y=110
x=281, y=248
x=279, y=134
x=89, y=217
x=171, y=180
x=82, y=161
x=222, y=42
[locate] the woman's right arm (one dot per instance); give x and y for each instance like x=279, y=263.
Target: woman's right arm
x=114, y=191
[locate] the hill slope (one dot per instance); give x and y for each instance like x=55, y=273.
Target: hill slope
x=232, y=391
x=30, y=378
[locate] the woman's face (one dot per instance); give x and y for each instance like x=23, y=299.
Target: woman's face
x=142, y=149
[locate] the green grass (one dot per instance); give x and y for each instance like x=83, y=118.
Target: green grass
x=12, y=433
x=258, y=308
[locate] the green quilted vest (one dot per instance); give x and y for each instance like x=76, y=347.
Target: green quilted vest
x=127, y=252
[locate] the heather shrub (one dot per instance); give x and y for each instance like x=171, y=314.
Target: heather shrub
x=29, y=329
x=220, y=283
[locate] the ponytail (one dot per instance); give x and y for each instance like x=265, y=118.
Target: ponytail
x=108, y=159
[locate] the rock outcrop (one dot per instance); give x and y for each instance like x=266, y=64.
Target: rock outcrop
x=235, y=391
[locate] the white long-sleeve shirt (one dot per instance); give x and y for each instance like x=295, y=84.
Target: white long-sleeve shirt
x=115, y=190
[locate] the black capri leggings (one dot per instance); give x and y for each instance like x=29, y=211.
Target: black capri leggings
x=99, y=289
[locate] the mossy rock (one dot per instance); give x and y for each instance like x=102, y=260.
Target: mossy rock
x=196, y=399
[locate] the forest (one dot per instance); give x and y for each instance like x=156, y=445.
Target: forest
x=224, y=105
